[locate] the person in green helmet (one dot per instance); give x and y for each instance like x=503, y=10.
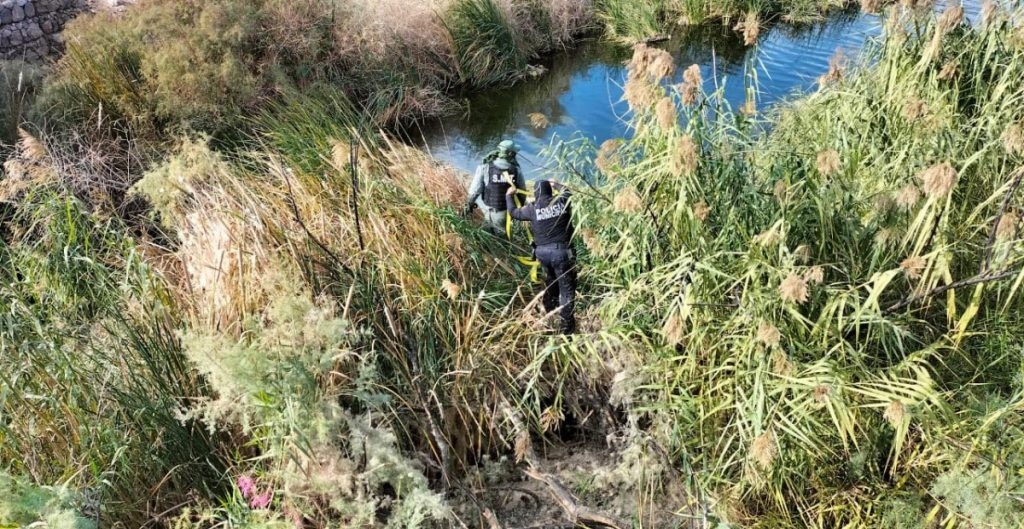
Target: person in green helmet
x=498, y=173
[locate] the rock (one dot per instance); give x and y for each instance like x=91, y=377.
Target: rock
x=46, y=26
x=30, y=10
x=16, y=39
x=17, y=13
x=6, y=17
x=21, y=3
x=34, y=32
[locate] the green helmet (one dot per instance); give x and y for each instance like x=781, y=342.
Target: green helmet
x=507, y=147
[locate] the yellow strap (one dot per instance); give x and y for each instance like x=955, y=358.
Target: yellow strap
x=534, y=267
x=523, y=260
x=518, y=204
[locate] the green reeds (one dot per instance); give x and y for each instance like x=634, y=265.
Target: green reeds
x=484, y=42
x=816, y=317
x=94, y=377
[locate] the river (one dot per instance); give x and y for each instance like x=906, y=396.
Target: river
x=581, y=91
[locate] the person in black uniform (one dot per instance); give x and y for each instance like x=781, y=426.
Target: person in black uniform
x=550, y=218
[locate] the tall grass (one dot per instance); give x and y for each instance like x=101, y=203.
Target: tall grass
x=93, y=374
x=804, y=319
x=633, y=22
x=484, y=41
x=821, y=312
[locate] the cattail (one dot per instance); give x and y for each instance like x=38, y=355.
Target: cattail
x=666, y=113
x=884, y=204
x=660, y=65
x=768, y=237
x=908, y=196
x=692, y=82
x=539, y=120
x=828, y=162
x=455, y=246
x=523, y=445
x=915, y=110
x=551, y=418
x=749, y=108
x=701, y=210
x=836, y=69
x=340, y=154
x=1007, y=226
x=627, y=201
x=870, y=6
x=793, y=289
x=589, y=239
x=639, y=93
x=607, y=155
x=895, y=413
x=451, y=289
x=989, y=9
x=938, y=180
x=765, y=449
x=751, y=28
x=821, y=393
x=781, y=190
x=949, y=70
x=781, y=364
x=641, y=59
x=1013, y=139
x=685, y=157
x=814, y=275
x=692, y=75
x=885, y=236
x=803, y=253
x=769, y=335
x=30, y=146
x=913, y=266
x=951, y=18
x=674, y=329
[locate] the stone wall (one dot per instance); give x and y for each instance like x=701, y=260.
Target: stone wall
x=30, y=29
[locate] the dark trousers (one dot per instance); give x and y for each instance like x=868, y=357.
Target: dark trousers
x=559, y=265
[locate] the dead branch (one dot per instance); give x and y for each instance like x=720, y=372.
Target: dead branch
x=978, y=279
x=577, y=514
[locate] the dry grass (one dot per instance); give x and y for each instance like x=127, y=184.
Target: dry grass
x=938, y=180
x=750, y=27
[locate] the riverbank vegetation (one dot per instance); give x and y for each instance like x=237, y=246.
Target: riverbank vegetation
x=167, y=66
x=228, y=300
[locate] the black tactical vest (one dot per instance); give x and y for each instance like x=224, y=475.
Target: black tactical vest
x=497, y=186
x=552, y=221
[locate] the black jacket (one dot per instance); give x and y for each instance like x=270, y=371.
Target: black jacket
x=550, y=217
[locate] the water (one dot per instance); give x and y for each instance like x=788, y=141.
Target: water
x=582, y=90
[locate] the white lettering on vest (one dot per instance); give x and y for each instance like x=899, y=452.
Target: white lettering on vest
x=550, y=212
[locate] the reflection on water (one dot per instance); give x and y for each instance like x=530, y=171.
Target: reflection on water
x=582, y=89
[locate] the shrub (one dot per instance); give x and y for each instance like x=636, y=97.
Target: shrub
x=25, y=505
x=18, y=84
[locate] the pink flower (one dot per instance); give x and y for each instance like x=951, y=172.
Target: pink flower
x=262, y=500
x=246, y=485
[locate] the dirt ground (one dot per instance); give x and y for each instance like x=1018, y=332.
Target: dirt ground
x=631, y=486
